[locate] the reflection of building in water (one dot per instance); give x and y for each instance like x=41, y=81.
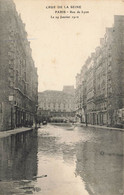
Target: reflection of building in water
x=68, y=154
x=18, y=156
x=100, y=165
x=49, y=146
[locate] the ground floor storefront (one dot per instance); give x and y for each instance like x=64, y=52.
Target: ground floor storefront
x=12, y=117
x=115, y=118
x=97, y=118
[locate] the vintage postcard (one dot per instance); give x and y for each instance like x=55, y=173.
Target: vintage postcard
x=62, y=97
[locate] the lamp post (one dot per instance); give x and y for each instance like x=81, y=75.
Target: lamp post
x=11, y=98
x=36, y=117
x=85, y=112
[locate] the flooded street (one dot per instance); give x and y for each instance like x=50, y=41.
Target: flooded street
x=57, y=160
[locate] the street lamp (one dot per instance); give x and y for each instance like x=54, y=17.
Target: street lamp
x=36, y=116
x=11, y=98
x=85, y=111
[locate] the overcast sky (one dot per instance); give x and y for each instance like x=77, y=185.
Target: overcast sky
x=61, y=46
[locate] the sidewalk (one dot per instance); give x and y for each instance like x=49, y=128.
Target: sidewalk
x=101, y=127
x=14, y=131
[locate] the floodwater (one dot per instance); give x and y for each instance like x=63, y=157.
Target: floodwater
x=59, y=160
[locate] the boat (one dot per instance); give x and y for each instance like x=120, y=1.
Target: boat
x=44, y=123
x=70, y=126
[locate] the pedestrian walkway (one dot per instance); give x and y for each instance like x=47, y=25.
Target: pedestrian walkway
x=14, y=131
x=101, y=127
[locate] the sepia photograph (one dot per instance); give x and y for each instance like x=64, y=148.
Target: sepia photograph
x=62, y=97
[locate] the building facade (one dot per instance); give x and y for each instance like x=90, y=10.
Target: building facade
x=18, y=75
x=103, y=80
x=56, y=105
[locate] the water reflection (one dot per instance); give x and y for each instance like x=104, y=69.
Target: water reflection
x=57, y=159
x=100, y=163
x=84, y=161
x=51, y=146
x=18, y=156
